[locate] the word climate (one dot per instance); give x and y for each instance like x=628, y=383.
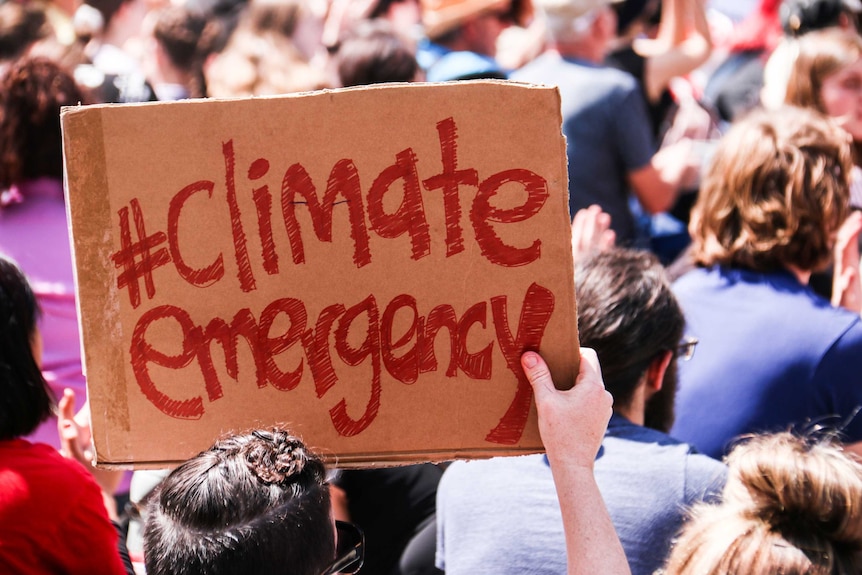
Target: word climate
x=403, y=349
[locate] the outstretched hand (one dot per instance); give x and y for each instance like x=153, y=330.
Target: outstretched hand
x=572, y=423
x=591, y=232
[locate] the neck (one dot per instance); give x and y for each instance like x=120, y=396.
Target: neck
x=802, y=275
x=580, y=50
x=635, y=409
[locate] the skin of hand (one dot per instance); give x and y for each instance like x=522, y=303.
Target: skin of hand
x=846, y=283
x=591, y=232
x=76, y=443
x=572, y=424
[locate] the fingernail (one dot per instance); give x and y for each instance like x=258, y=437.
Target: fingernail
x=529, y=360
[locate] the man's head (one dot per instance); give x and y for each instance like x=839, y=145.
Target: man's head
x=629, y=315
x=590, y=22
x=256, y=503
x=775, y=193
x=472, y=25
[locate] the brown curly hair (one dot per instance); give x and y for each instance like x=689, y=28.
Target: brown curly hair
x=31, y=94
x=775, y=193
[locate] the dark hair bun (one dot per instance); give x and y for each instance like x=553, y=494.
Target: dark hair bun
x=276, y=457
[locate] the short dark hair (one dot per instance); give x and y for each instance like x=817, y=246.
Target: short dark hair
x=25, y=398
x=178, y=30
x=627, y=313
x=253, y=503
x=373, y=53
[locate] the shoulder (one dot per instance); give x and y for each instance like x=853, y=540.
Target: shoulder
x=463, y=65
x=636, y=439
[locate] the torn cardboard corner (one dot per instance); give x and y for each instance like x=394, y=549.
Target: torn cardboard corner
x=363, y=266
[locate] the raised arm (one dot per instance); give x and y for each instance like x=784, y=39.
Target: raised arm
x=683, y=43
x=572, y=424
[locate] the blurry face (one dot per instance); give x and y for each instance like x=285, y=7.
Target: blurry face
x=484, y=30
x=841, y=96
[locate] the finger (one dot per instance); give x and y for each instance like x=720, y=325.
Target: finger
x=70, y=445
x=590, y=369
x=603, y=221
x=609, y=238
x=590, y=225
x=537, y=373
x=66, y=405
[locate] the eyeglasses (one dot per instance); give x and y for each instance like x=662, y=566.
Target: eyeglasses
x=350, y=549
x=685, y=350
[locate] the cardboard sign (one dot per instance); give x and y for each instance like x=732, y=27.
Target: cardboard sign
x=364, y=266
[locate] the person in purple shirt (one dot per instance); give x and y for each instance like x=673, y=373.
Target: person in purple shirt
x=772, y=354
x=33, y=229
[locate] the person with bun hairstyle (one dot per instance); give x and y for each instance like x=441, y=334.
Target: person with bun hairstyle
x=792, y=506
x=253, y=503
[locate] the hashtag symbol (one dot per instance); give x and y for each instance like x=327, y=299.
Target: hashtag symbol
x=137, y=259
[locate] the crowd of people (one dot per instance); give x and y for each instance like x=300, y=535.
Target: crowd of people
x=715, y=187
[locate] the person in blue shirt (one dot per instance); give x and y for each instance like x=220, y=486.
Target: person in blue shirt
x=773, y=354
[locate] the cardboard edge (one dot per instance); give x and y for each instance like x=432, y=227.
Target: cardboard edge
x=568, y=381
x=93, y=207
x=359, y=460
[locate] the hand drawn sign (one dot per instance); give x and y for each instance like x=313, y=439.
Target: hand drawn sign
x=364, y=265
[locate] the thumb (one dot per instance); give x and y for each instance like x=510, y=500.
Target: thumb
x=537, y=373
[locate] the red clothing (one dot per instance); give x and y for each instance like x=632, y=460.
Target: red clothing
x=52, y=519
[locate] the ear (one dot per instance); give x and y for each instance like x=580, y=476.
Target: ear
x=656, y=370
x=605, y=25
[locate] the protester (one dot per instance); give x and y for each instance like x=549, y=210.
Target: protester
x=791, y=505
x=271, y=51
x=798, y=19
x=33, y=228
x=772, y=353
x=627, y=312
x=173, y=54
x=21, y=25
x=827, y=76
x=373, y=53
x=609, y=140
x=461, y=37
x=52, y=519
x=252, y=503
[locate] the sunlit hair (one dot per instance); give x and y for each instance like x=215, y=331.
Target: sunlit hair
x=253, y=503
x=25, y=398
x=821, y=54
x=791, y=506
x=775, y=193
